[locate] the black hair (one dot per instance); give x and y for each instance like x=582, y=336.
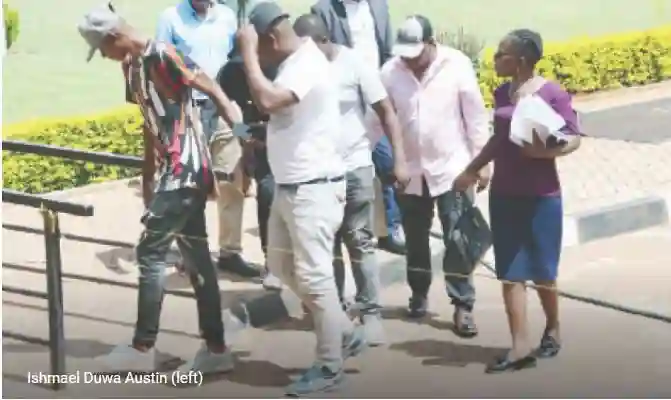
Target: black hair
x=311, y=26
x=527, y=44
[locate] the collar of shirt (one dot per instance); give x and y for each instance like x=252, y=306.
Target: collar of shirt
x=441, y=61
x=211, y=12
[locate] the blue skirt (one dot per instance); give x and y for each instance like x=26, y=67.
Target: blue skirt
x=527, y=236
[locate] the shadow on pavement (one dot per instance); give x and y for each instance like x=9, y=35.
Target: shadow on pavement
x=76, y=348
x=303, y=325
x=444, y=353
x=95, y=318
x=114, y=259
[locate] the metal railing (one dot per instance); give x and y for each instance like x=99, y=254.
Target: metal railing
x=50, y=210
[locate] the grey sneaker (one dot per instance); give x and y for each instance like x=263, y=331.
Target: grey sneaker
x=125, y=358
x=374, y=331
x=270, y=281
x=354, y=343
x=317, y=378
x=207, y=362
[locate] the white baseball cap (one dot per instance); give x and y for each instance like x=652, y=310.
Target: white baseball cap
x=411, y=36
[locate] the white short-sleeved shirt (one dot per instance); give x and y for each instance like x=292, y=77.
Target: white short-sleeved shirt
x=360, y=86
x=302, y=138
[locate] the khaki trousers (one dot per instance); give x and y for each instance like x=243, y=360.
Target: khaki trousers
x=226, y=153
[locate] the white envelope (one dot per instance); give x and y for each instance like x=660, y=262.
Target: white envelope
x=533, y=113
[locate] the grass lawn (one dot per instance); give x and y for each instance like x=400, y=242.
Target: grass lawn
x=45, y=73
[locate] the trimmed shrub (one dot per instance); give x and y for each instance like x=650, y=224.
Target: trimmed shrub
x=11, y=24
x=115, y=132
x=589, y=65
x=468, y=43
x=581, y=66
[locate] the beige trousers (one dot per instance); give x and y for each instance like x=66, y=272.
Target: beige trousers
x=226, y=153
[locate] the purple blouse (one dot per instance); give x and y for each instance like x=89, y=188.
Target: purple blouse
x=514, y=173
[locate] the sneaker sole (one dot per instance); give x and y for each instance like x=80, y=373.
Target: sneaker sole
x=356, y=348
x=272, y=288
x=333, y=386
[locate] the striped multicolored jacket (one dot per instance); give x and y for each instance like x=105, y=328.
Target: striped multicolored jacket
x=159, y=82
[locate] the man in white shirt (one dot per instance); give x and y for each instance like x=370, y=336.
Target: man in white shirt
x=203, y=31
x=360, y=87
x=309, y=172
x=364, y=26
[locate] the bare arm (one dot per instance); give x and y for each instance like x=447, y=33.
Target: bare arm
x=267, y=96
x=198, y=80
x=391, y=127
x=538, y=150
x=486, y=155
x=225, y=107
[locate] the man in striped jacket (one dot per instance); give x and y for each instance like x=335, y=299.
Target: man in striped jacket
x=161, y=84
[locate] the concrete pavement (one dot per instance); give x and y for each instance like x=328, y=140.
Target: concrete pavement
x=606, y=353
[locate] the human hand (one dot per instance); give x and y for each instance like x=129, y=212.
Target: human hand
x=465, y=180
x=248, y=39
x=401, y=175
x=485, y=175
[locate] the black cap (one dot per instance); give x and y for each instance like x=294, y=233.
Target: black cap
x=265, y=15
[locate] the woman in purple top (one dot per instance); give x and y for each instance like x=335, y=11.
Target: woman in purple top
x=525, y=198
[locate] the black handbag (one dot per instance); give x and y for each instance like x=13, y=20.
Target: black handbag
x=470, y=237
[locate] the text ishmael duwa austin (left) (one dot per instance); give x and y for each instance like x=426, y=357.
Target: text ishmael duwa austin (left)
x=174, y=378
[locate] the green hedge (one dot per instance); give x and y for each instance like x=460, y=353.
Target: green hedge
x=580, y=65
x=116, y=132
x=11, y=24
x=589, y=65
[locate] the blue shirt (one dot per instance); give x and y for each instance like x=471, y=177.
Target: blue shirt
x=204, y=42
x=233, y=5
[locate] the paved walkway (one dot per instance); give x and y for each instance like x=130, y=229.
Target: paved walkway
x=607, y=353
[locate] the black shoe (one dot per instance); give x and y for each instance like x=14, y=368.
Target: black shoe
x=504, y=364
x=392, y=245
x=549, y=347
x=417, y=307
x=234, y=264
x=464, y=324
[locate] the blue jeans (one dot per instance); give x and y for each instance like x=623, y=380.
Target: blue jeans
x=357, y=234
x=384, y=167
x=183, y=212
x=417, y=212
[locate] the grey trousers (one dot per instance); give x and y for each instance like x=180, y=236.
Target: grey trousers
x=357, y=232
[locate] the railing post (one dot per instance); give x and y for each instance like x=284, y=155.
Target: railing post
x=52, y=242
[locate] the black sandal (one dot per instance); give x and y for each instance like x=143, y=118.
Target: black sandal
x=549, y=347
x=505, y=364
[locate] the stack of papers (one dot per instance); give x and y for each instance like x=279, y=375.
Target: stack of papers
x=533, y=114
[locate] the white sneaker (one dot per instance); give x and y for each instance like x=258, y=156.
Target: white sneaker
x=125, y=358
x=271, y=282
x=372, y=326
x=232, y=325
x=207, y=362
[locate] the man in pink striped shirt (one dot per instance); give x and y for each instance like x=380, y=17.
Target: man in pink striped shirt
x=445, y=124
